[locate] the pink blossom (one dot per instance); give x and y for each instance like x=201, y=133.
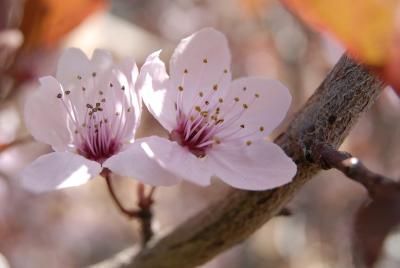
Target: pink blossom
x=88, y=113
x=217, y=127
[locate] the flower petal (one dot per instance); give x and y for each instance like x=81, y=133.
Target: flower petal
x=153, y=88
x=199, y=68
x=260, y=166
x=101, y=60
x=72, y=64
x=58, y=170
x=256, y=106
x=45, y=116
x=130, y=70
x=158, y=161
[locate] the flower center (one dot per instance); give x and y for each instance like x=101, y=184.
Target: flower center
x=97, y=142
x=98, y=120
x=194, y=133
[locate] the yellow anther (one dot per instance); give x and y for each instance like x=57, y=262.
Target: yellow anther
x=248, y=143
x=257, y=95
x=197, y=108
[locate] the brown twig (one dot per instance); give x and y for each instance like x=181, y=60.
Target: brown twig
x=145, y=202
x=352, y=167
x=327, y=117
x=284, y=212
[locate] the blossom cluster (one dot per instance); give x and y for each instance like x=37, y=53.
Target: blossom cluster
x=89, y=113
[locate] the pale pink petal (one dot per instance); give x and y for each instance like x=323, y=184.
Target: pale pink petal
x=199, y=69
x=45, y=116
x=153, y=88
x=131, y=72
x=158, y=161
x=139, y=162
x=254, y=107
x=58, y=170
x=101, y=60
x=79, y=76
x=129, y=68
x=73, y=64
x=260, y=166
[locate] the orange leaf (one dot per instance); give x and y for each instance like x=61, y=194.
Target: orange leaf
x=46, y=21
x=367, y=28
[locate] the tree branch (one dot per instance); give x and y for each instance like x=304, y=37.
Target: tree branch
x=327, y=117
x=353, y=168
x=144, y=214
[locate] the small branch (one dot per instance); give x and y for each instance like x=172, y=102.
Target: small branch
x=130, y=213
x=285, y=212
x=143, y=214
x=327, y=117
x=352, y=167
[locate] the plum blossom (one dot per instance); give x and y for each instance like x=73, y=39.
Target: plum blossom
x=217, y=127
x=88, y=113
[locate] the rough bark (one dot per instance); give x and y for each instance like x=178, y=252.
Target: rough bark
x=327, y=117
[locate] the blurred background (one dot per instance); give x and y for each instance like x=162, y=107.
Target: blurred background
x=80, y=226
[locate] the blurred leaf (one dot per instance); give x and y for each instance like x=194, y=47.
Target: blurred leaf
x=46, y=21
x=374, y=222
x=253, y=8
x=368, y=28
